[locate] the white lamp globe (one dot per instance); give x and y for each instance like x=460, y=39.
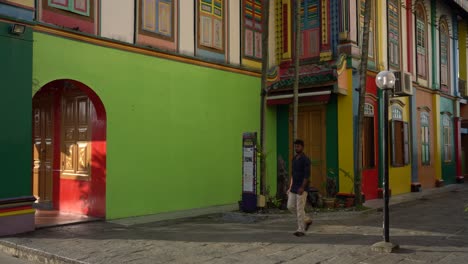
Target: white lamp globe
x=385, y=80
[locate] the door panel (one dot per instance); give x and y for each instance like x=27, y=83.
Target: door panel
x=43, y=147
x=76, y=150
x=310, y=128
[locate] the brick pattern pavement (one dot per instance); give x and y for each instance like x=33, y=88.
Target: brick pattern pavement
x=429, y=230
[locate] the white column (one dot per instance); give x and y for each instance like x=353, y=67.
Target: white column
x=187, y=28
x=234, y=32
x=117, y=19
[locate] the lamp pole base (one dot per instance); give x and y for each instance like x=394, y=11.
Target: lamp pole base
x=385, y=247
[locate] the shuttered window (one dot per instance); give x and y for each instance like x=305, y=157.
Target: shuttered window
x=211, y=24
x=368, y=149
x=394, y=33
x=399, y=138
x=310, y=28
x=444, y=42
x=447, y=138
x=157, y=17
x=76, y=6
x=252, y=16
x=425, y=144
x=421, y=38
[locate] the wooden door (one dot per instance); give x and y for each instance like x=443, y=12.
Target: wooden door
x=77, y=110
x=43, y=147
x=311, y=129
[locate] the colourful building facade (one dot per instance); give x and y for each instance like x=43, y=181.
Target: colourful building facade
x=138, y=107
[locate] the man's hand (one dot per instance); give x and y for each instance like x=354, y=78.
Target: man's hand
x=300, y=191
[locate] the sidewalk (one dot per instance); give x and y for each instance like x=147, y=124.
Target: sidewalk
x=430, y=226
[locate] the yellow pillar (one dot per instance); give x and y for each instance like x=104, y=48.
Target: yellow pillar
x=345, y=133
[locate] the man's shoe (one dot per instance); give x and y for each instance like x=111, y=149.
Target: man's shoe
x=299, y=234
x=307, y=225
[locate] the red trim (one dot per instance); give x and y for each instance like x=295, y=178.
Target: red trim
x=317, y=98
x=370, y=177
x=15, y=209
x=56, y=161
x=409, y=34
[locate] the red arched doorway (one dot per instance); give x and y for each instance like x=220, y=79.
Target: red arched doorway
x=69, y=148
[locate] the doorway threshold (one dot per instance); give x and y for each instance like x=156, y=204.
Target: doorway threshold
x=52, y=218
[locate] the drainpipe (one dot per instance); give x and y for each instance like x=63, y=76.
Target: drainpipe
x=434, y=50
x=135, y=21
x=264, y=87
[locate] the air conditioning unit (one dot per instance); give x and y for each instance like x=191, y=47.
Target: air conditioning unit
x=463, y=89
x=403, y=84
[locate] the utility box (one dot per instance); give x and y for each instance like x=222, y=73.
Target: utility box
x=249, y=172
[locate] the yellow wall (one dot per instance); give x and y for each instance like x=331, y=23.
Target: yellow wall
x=345, y=135
x=251, y=64
x=400, y=177
x=462, y=49
x=28, y=3
x=436, y=139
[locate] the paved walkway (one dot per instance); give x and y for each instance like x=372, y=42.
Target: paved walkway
x=430, y=227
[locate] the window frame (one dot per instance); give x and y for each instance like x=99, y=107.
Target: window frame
x=394, y=46
x=212, y=16
x=308, y=28
x=399, y=159
x=156, y=33
x=447, y=139
x=444, y=38
x=369, y=138
x=253, y=29
x=70, y=7
x=425, y=143
x=372, y=36
x=421, y=22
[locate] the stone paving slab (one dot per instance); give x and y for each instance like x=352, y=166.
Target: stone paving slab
x=430, y=229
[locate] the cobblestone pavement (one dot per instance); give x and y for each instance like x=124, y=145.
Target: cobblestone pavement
x=429, y=230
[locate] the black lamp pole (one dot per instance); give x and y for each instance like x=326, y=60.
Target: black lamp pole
x=386, y=147
x=385, y=80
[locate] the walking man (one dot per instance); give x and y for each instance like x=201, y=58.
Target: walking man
x=298, y=187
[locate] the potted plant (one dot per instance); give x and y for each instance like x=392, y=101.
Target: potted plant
x=330, y=187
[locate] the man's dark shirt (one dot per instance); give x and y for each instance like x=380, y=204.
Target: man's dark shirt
x=300, y=171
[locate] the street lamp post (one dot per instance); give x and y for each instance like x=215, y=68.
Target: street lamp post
x=385, y=80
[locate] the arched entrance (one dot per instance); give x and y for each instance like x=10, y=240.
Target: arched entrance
x=69, y=148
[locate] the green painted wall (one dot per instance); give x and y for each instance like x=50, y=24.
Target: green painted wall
x=448, y=168
x=15, y=135
x=174, y=130
x=272, y=158
x=332, y=137
x=283, y=133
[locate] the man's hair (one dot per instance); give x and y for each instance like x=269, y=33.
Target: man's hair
x=299, y=142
